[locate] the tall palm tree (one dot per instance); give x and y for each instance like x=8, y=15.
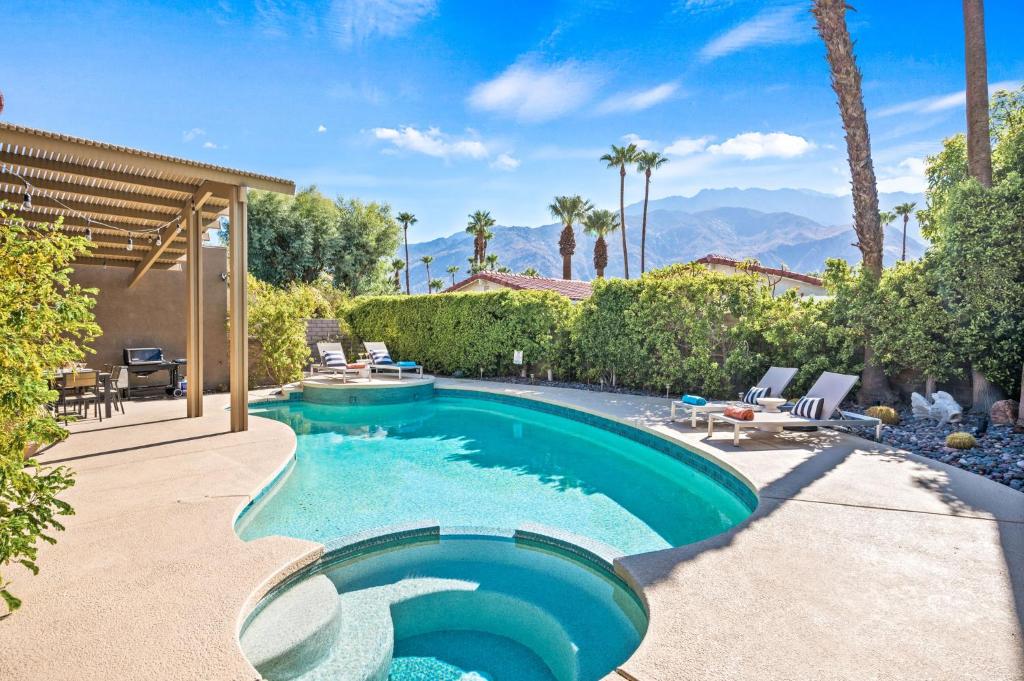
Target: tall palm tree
x=426, y=260
x=504, y=269
x=979, y=153
x=452, y=269
x=886, y=217
x=435, y=285
x=620, y=157
x=905, y=210
x=479, y=226
x=406, y=219
x=530, y=272
x=599, y=224
x=491, y=259
x=398, y=265
x=830, y=18
x=569, y=210
x=647, y=162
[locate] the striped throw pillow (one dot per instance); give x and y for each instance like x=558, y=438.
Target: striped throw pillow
x=809, y=407
x=380, y=357
x=335, y=359
x=754, y=393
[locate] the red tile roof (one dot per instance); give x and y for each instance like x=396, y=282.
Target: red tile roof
x=714, y=259
x=570, y=288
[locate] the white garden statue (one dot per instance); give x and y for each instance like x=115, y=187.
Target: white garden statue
x=943, y=408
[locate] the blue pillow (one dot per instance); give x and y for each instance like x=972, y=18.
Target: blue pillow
x=380, y=357
x=694, y=400
x=406, y=364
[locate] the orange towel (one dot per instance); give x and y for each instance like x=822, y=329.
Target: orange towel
x=740, y=413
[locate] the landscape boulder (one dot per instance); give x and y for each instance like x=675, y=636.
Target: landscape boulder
x=1004, y=412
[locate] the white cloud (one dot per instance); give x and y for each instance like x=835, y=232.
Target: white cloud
x=355, y=21
x=530, y=91
x=906, y=176
x=685, y=146
x=939, y=103
x=321, y=128
x=699, y=6
x=754, y=145
x=638, y=100
x=776, y=26
x=640, y=142
x=505, y=162
x=432, y=142
x=192, y=134
x=210, y=145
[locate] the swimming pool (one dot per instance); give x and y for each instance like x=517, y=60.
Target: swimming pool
x=471, y=459
x=459, y=607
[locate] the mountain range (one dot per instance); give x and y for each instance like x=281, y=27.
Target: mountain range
x=795, y=228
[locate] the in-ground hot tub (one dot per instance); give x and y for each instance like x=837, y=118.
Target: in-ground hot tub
x=423, y=606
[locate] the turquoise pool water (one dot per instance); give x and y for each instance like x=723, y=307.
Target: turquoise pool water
x=476, y=462
x=458, y=608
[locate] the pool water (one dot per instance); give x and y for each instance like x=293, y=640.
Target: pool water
x=456, y=608
x=471, y=462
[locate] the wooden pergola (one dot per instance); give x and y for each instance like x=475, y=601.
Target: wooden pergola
x=145, y=211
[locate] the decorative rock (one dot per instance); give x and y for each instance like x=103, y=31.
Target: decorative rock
x=1004, y=412
x=943, y=408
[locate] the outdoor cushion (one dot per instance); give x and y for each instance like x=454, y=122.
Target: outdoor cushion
x=357, y=366
x=406, y=364
x=334, y=359
x=755, y=393
x=380, y=357
x=739, y=413
x=809, y=407
x=694, y=400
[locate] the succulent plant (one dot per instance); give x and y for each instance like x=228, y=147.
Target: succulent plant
x=886, y=415
x=961, y=440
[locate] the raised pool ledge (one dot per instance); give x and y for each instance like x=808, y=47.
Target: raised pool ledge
x=322, y=389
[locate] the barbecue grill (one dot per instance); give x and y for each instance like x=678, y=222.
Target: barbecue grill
x=146, y=361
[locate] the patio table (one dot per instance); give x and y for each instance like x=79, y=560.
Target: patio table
x=103, y=379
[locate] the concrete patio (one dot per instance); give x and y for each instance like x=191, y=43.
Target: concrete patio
x=859, y=563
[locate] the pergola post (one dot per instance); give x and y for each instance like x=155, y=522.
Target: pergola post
x=194, y=287
x=238, y=315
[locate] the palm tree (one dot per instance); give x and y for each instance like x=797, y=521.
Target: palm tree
x=530, y=272
x=600, y=223
x=905, y=209
x=474, y=266
x=479, y=226
x=452, y=269
x=886, y=217
x=406, y=219
x=426, y=260
x=435, y=285
x=830, y=17
x=620, y=157
x=504, y=269
x=398, y=265
x=647, y=162
x=492, y=261
x=569, y=210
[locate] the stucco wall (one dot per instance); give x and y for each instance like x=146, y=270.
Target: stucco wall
x=781, y=286
x=155, y=312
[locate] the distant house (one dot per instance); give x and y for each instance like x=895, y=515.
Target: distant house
x=779, y=280
x=572, y=289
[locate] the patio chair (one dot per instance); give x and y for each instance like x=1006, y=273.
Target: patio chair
x=333, y=361
x=380, y=360
x=819, y=407
x=118, y=385
x=81, y=388
x=776, y=380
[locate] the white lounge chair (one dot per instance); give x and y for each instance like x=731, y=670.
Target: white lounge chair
x=337, y=364
x=776, y=379
x=831, y=388
x=380, y=360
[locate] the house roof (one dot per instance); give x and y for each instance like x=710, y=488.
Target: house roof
x=715, y=259
x=572, y=289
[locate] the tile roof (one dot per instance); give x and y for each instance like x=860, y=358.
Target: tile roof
x=715, y=259
x=572, y=289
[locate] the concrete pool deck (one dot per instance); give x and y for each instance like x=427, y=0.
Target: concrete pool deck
x=859, y=563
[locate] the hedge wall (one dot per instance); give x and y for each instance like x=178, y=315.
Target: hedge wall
x=468, y=332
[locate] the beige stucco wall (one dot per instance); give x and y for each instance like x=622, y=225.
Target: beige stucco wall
x=783, y=284
x=482, y=285
x=154, y=314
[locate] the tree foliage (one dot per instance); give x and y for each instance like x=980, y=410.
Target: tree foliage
x=277, y=321
x=45, y=323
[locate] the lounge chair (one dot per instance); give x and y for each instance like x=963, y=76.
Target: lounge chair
x=380, y=360
x=831, y=389
x=333, y=361
x=776, y=379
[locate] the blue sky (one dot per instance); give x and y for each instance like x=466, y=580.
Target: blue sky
x=442, y=107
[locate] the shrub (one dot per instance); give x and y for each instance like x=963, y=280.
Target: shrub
x=45, y=322
x=277, y=320
x=468, y=331
x=886, y=415
x=961, y=440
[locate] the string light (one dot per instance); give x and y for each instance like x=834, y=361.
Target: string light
x=159, y=241
x=130, y=244
x=26, y=203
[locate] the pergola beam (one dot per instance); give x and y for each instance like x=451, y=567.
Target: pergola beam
x=194, y=291
x=167, y=236
x=238, y=311
x=26, y=162
x=101, y=192
x=99, y=209
x=117, y=261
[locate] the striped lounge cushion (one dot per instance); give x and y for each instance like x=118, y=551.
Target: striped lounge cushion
x=809, y=407
x=335, y=360
x=754, y=393
x=380, y=357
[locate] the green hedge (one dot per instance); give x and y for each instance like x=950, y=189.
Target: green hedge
x=467, y=332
